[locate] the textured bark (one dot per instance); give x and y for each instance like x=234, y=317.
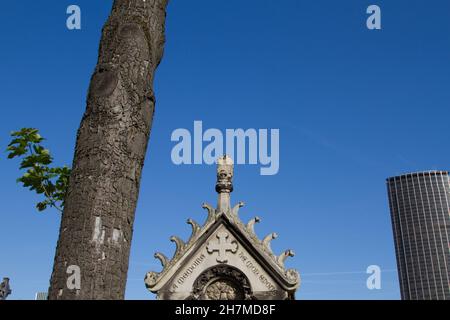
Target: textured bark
x=97, y=222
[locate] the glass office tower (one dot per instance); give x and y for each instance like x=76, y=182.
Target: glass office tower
x=420, y=212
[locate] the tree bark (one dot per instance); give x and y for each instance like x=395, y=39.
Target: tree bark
x=97, y=222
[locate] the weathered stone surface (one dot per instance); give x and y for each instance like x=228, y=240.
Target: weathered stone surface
x=97, y=223
x=224, y=259
x=5, y=289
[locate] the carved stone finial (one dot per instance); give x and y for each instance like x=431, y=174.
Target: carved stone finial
x=236, y=208
x=251, y=224
x=225, y=173
x=224, y=185
x=282, y=257
x=180, y=245
x=195, y=228
x=267, y=239
x=211, y=212
x=161, y=257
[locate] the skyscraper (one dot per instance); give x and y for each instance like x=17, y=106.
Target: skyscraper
x=420, y=212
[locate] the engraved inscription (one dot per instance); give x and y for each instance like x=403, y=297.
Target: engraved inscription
x=252, y=266
x=188, y=271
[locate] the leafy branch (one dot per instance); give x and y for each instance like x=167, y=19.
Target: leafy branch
x=52, y=182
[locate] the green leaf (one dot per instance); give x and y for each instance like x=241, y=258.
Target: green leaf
x=41, y=206
x=40, y=177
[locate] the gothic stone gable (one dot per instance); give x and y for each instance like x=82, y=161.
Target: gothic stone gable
x=224, y=259
x=223, y=264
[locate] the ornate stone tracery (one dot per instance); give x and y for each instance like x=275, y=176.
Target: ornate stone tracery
x=222, y=282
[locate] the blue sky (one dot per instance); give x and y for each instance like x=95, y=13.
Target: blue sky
x=353, y=107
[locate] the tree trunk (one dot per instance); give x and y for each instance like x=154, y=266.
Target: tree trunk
x=97, y=222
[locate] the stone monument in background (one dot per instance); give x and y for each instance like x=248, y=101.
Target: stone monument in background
x=5, y=289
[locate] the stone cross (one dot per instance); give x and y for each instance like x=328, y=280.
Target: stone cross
x=222, y=247
x=5, y=289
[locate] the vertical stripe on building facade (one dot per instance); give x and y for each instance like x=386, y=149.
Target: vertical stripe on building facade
x=420, y=214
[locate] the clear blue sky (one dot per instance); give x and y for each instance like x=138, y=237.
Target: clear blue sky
x=353, y=107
